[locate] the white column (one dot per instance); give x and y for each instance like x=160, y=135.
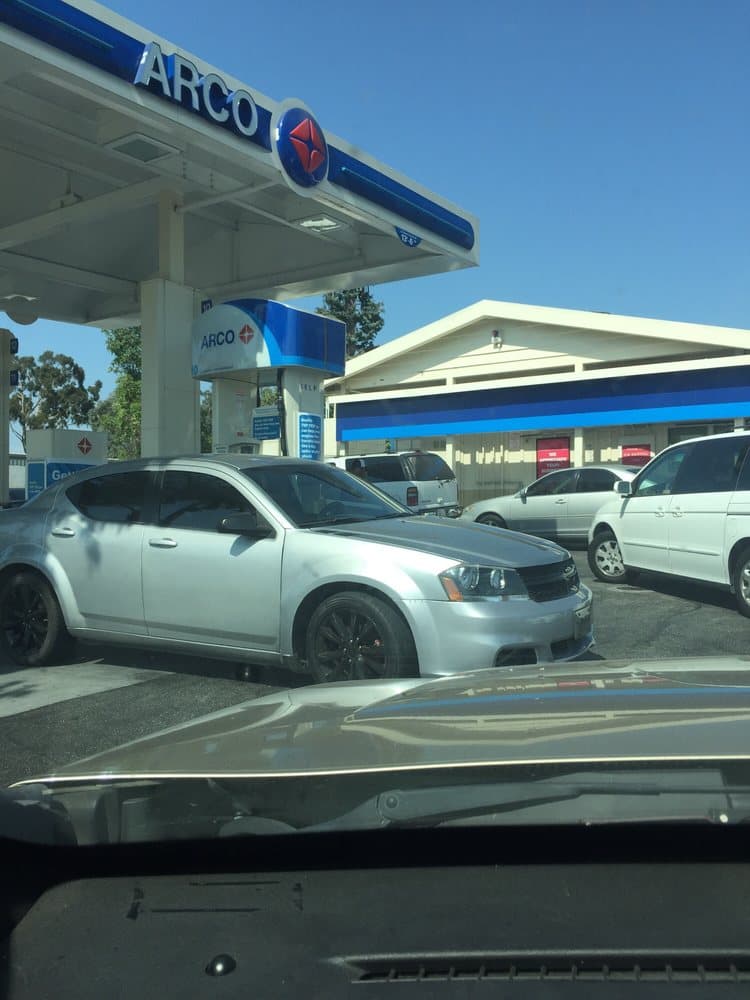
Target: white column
x=578, y=455
x=170, y=422
x=5, y=366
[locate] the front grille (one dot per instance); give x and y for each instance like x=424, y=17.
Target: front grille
x=549, y=583
x=582, y=968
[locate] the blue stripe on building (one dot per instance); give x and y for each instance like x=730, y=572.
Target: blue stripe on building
x=601, y=402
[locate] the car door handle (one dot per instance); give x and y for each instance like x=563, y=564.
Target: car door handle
x=162, y=543
x=659, y=512
x=561, y=501
x=677, y=512
x=63, y=532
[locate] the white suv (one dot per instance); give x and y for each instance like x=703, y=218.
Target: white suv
x=420, y=480
x=687, y=513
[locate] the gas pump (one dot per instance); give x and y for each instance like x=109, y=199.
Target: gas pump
x=248, y=345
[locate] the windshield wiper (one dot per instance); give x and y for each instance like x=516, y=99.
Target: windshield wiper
x=444, y=804
x=329, y=521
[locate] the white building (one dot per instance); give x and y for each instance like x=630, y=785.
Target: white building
x=507, y=391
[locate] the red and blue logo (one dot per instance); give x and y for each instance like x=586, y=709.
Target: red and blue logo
x=301, y=147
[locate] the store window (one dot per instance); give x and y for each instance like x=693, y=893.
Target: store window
x=684, y=432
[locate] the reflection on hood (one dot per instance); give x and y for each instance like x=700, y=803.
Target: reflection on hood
x=578, y=712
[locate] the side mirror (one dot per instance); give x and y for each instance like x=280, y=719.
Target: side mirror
x=523, y=493
x=623, y=489
x=248, y=524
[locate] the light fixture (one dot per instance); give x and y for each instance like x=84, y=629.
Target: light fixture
x=497, y=339
x=142, y=147
x=20, y=309
x=320, y=223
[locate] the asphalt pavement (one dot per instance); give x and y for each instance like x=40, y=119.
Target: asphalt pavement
x=56, y=715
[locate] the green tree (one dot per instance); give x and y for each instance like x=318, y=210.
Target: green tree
x=51, y=394
x=206, y=420
x=120, y=413
x=361, y=313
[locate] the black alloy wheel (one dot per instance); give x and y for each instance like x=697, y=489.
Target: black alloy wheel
x=32, y=629
x=355, y=636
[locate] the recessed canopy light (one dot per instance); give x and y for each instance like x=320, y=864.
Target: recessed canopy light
x=142, y=147
x=320, y=223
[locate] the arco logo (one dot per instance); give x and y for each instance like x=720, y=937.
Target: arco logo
x=246, y=334
x=301, y=147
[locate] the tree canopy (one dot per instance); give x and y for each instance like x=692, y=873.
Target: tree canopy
x=51, y=394
x=360, y=312
x=120, y=413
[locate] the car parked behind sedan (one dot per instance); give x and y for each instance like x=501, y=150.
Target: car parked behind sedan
x=560, y=505
x=278, y=561
x=687, y=514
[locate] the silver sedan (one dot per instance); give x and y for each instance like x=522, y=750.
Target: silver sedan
x=278, y=561
x=560, y=505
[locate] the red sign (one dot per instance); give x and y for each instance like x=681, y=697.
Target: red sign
x=246, y=334
x=636, y=454
x=84, y=446
x=551, y=454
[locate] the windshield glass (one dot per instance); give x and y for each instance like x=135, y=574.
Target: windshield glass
x=322, y=495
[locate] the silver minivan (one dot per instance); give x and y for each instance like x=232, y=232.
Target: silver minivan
x=687, y=513
x=420, y=480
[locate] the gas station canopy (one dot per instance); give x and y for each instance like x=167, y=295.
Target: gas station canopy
x=125, y=159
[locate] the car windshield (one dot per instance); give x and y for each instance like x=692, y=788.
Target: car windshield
x=378, y=456
x=320, y=495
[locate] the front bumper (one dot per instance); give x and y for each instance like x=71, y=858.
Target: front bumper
x=453, y=637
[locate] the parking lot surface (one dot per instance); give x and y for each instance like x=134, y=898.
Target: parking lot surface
x=54, y=715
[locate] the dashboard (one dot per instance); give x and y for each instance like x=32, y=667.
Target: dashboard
x=613, y=911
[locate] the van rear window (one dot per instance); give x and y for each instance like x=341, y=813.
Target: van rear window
x=426, y=468
x=384, y=470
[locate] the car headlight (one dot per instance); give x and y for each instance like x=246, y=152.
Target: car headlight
x=480, y=583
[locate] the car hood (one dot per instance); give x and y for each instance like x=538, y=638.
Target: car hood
x=442, y=536
x=661, y=710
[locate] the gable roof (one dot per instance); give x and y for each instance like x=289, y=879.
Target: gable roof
x=492, y=311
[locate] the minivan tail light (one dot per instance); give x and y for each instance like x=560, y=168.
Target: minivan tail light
x=412, y=496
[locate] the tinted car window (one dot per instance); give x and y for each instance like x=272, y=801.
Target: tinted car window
x=384, y=470
x=595, y=481
x=659, y=477
x=197, y=500
x=556, y=482
x=743, y=481
x=712, y=466
x=427, y=468
x=118, y=498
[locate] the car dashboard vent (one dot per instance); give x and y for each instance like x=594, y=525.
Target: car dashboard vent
x=569, y=967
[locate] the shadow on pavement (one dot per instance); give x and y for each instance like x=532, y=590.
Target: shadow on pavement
x=172, y=663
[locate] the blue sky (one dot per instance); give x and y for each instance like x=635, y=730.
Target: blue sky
x=603, y=145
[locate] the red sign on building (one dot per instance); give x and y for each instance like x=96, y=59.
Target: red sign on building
x=551, y=454
x=636, y=454
x=84, y=446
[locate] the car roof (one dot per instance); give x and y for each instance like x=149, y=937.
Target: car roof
x=210, y=461
x=609, y=466
x=233, y=461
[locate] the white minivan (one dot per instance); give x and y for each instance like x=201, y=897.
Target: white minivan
x=420, y=480
x=687, y=513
